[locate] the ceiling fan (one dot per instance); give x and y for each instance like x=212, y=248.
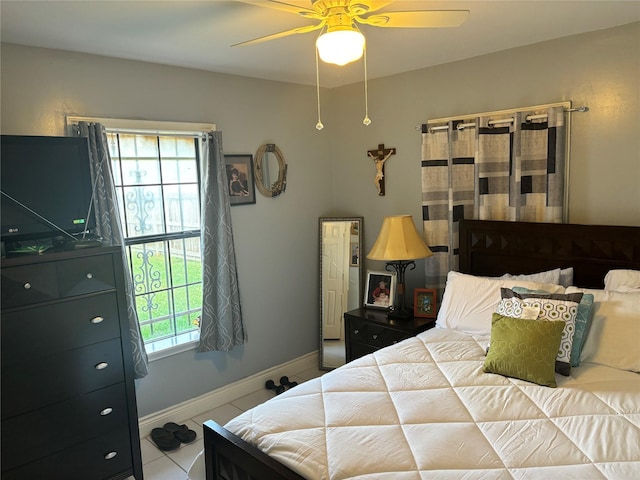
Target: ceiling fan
x=344, y=15
x=340, y=40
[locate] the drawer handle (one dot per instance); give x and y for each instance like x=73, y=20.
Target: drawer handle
x=106, y=411
x=110, y=455
x=102, y=366
x=27, y=286
x=356, y=331
x=97, y=319
x=89, y=275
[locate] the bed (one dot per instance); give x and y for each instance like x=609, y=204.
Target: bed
x=426, y=407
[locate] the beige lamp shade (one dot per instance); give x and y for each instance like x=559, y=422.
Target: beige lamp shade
x=399, y=240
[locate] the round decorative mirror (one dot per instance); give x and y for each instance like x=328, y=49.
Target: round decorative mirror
x=270, y=170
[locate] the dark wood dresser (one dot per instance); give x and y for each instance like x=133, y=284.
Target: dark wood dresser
x=68, y=396
x=368, y=330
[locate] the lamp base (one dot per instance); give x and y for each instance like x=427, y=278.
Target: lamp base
x=400, y=314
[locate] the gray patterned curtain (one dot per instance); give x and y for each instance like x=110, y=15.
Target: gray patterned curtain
x=221, y=326
x=109, y=227
x=489, y=170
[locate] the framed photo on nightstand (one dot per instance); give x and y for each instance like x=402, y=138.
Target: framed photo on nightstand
x=380, y=291
x=424, y=303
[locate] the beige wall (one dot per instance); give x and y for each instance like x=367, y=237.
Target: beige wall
x=600, y=70
x=276, y=239
x=329, y=171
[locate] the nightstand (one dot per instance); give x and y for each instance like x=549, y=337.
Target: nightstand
x=368, y=330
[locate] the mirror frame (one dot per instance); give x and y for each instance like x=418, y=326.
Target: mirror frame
x=361, y=276
x=280, y=185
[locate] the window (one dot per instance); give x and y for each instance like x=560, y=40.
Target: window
x=157, y=186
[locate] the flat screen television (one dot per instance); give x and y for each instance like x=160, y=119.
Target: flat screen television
x=46, y=188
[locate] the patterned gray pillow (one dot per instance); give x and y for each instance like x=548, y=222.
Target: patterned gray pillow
x=548, y=307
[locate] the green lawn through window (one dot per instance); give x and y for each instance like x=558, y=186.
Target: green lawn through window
x=153, y=294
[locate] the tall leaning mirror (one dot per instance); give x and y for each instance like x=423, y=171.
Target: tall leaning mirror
x=341, y=280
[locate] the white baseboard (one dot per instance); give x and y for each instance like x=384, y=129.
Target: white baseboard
x=222, y=395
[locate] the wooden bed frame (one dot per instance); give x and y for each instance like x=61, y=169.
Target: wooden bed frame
x=488, y=248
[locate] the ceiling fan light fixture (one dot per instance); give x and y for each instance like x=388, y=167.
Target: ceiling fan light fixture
x=340, y=45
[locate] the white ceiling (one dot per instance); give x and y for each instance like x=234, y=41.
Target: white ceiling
x=198, y=34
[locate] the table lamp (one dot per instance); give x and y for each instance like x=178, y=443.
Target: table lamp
x=399, y=243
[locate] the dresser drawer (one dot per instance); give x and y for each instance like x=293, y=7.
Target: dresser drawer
x=103, y=457
x=28, y=284
x=46, y=380
x=358, y=330
x=52, y=429
x=40, y=331
x=85, y=275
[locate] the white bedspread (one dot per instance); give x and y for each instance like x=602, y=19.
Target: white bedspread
x=423, y=408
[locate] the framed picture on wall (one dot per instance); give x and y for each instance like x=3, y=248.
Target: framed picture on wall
x=380, y=291
x=424, y=303
x=242, y=187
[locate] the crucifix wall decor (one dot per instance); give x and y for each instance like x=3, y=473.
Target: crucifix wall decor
x=380, y=156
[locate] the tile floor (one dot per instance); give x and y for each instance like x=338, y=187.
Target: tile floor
x=158, y=465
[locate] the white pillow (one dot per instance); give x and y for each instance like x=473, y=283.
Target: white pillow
x=622, y=280
x=614, y=336
x=469, y=301
x=566, y=277
x=557, y=276
x=551, y=276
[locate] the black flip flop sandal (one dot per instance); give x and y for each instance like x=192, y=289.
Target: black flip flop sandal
x=164, y=439
x=181, y=432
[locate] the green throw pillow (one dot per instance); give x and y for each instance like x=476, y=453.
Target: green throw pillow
x=547, y=307
x=524, y=349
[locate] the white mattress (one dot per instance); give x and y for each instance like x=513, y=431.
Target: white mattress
x=423, y=408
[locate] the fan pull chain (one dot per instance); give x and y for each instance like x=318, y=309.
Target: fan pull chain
x=366, y=121
x=319, y=125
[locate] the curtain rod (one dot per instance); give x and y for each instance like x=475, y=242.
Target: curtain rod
x=145, y=127
x=159, y=133
x=529, y=118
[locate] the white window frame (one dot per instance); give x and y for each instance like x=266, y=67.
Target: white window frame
x=185, y=341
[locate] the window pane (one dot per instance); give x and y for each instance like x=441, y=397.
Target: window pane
x=140, y=171
x=186, y=265
x=156, y=311
x=175, y=170
x=157, y=187
x=143, y=210
x=127, y=144
x=149, y=268
x=180, y=299
x=195, y=299
x=185, y=323
x=179, y=263
x=178, y=160
x=182, y=207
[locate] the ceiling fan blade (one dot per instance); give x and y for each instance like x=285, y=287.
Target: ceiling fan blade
x=417, y=19
x=284, y=7
x=362, y=7
x=286, y=33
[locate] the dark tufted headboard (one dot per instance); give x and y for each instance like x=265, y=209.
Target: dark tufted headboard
x=493, y=248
